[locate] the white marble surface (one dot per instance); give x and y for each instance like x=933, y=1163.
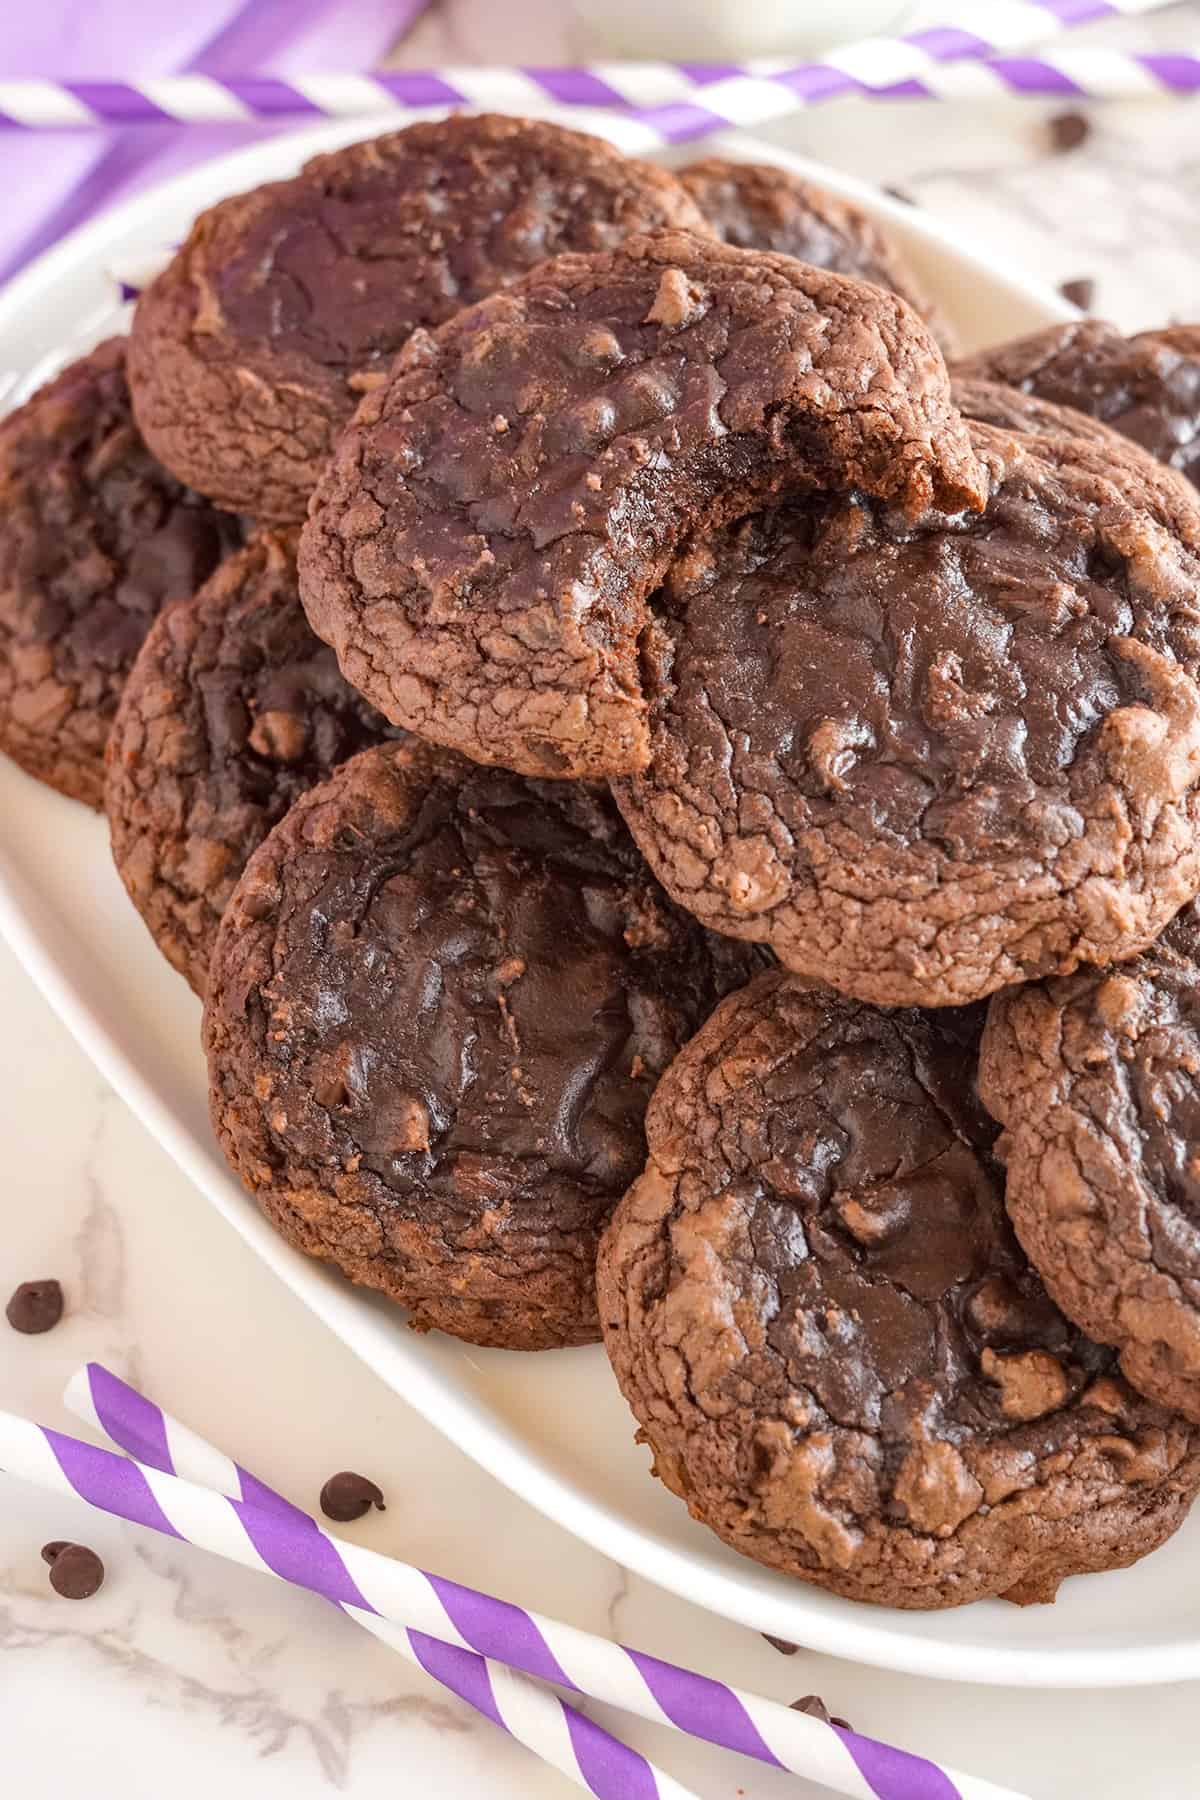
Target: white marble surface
x=188, y=1674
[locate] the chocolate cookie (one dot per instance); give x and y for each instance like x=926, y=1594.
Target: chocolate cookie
x=481, y=548
x=95, y=536
x=1011, y=409
x=759, y=206
x=816, y=1308
x=1096, y=1079
x=1146, y=387
x=439, y=1002
x=285, y=304
x=232, y=711
x=924, y=759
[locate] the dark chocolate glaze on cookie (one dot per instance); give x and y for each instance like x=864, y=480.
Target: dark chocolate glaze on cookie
x=95, y=538
x=841, y=1360
x=284, y=304
x=1146, y=387
x=439, y=1003
x=232, y=711
x=1096, y=1078
x=759, y=206
x=481, y=548
x=924, y=759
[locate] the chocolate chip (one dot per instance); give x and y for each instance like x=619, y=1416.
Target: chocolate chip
x=35, y=1306
x=1080, y=292
x=815, y=1707
x=75, y=1571
x=347, y=1496
x=781, y=1644
x=1068, y=130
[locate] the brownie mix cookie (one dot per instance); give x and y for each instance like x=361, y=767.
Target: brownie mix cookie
x=759, y=206
x=1096, y=1078
x=1146, y=387
x=1011, y=409
x=439, y=1003
x=816, y=1308
x=924, y=759
x=233, y=709
x=482, y=545
x=95, y=536
x=286, y=303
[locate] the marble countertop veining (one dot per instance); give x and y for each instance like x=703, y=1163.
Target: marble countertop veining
x=183, y=1670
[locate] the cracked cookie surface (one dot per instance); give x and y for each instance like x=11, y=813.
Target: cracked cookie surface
x=759, y=206
x=817, y=1310
x=440, y=1000
x=481, y=547
x=1096, y=1079
x=1146, y=387
x=925, y=759
x=231, y=712
x=252, y=348
x=95, y=538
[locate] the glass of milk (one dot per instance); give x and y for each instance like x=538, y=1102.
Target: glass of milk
x=729, y=30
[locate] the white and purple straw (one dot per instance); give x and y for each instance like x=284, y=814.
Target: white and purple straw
x=661, y=103
x=559, y=1733
x=286, y=1543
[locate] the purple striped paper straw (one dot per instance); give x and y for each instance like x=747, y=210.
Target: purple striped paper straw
x=695, y=98
x=659, y=1691
x=714, y=100
x=291, y=1544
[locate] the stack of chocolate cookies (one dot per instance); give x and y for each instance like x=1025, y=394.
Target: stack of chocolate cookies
x=684, y=813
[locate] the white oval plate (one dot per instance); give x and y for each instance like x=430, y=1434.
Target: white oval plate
x=552, y=1427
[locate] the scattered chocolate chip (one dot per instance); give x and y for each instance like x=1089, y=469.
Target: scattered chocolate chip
x=817, y=1709
x=1081, y=292
x=75, y=1571
x=1068, y=130
x=781, y=1644
x=35, y=1306
x=347, y=1496
x=901, y=194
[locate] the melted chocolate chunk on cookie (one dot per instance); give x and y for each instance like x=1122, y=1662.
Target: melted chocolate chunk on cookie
x=95, y=538
x=252, y=348
x=1096, y=1078
x=481, y=548
x=816, y=1308
x=924, y=759
x=759, y=206
x=440, y=1000
x=232, y=711
x=1146, y=387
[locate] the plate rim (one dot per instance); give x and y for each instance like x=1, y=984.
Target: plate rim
x=475, y=1427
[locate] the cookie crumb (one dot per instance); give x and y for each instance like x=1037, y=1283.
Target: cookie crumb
x=1081, y=292
x=1068, y=130
x=815, y=1707
x=781, y=1644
